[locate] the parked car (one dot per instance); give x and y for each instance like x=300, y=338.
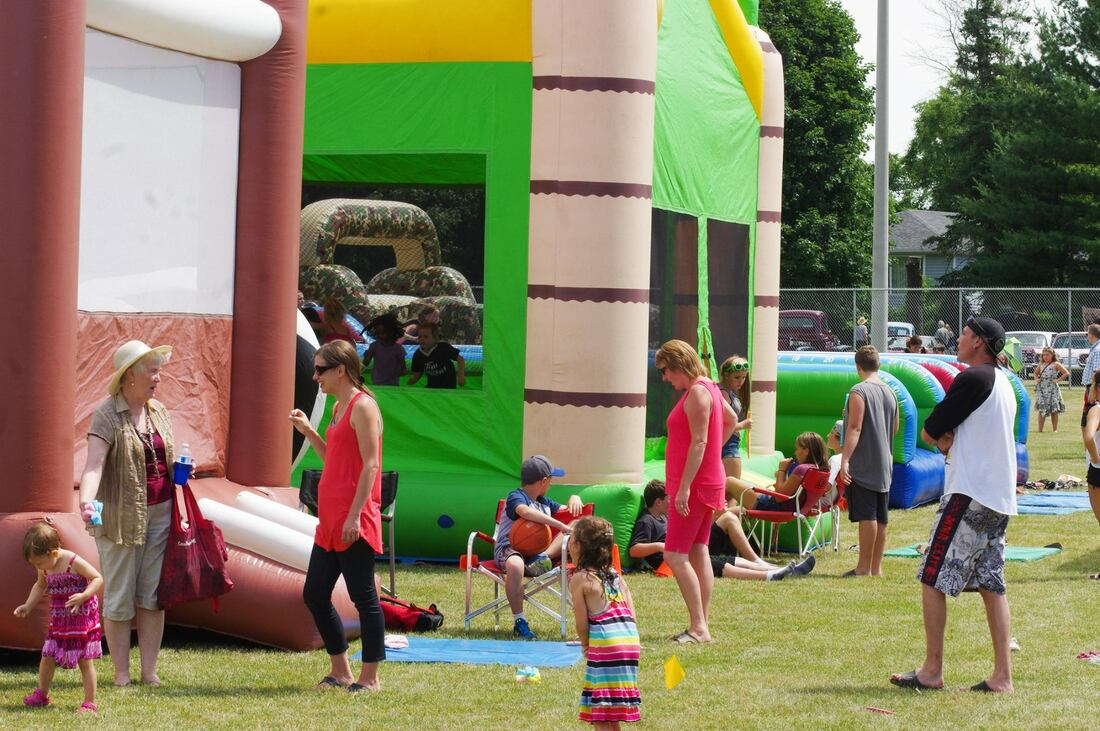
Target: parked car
x=1032, y=343
x=897, y=345
x=806, y=330
x=1072, y=350
x=897, y=329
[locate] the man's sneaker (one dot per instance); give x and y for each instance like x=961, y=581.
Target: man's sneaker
x=523, y=630
x=803, y=567
x=538, y=566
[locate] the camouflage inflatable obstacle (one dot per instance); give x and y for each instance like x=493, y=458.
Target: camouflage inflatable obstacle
x=418, y=279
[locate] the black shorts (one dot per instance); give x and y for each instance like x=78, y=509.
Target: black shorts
x=864, y=504
x=718, y=563
x=1093, y=477
x=720, y=543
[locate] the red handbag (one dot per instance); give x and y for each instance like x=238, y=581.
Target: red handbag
x=194, y=561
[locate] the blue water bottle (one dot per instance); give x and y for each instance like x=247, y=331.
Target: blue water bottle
x=183, y=466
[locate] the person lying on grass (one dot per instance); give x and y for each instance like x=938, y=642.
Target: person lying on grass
x=731, y=555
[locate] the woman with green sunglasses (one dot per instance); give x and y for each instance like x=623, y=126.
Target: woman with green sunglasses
x=735, y=384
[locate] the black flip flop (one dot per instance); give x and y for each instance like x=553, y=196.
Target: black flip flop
x=330, y=682
x=982, y=687
x=911, y=681
x=357, y=688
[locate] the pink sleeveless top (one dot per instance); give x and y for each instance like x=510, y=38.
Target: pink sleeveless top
x=709, y=486
x=339, y=480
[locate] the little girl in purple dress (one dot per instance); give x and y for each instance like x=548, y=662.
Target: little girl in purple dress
x=73, y=638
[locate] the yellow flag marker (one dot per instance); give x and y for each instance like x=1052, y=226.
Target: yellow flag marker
x=674, y=672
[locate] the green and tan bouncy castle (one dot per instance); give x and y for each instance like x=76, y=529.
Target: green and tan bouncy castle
x=629, y=154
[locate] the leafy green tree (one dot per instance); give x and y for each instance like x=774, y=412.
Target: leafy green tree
x=827, y=186
x=1035, y=218
x=1042, y=194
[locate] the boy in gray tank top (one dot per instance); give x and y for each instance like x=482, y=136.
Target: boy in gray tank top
x=866, y=464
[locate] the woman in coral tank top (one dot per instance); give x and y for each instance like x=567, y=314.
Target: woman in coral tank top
x=348, y=506
x=700, y=423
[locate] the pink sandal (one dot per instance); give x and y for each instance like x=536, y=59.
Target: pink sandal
x=37, y=699
x=87, y=707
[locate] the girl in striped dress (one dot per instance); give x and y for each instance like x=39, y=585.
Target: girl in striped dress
x=608, y=634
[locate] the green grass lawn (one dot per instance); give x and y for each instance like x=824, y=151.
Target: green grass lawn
x=808, y=653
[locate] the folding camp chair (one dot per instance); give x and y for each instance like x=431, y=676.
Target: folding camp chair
x=307, y=498
x=555, y=581
x=810, y=505
x=389, y=507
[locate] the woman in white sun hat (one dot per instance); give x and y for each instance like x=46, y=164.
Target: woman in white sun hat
x=130, y=453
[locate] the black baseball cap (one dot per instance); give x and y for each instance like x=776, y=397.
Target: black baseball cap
x=990, y=331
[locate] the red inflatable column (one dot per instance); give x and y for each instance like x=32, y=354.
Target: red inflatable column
x=42, y=85
x=268, y=202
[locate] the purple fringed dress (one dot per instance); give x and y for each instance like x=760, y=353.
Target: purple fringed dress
x=72, y=636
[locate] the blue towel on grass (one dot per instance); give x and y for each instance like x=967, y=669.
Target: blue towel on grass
x=485, y=652
x=1052, y=503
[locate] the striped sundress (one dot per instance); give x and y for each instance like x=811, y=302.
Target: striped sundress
x=611, y=678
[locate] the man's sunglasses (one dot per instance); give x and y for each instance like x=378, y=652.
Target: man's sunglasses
x=735, y=367
x=662, y=369
x=321, y=369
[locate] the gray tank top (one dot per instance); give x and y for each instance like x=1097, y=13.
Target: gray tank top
x=872, y=461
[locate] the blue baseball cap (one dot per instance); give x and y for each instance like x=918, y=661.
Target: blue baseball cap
x=537, y=468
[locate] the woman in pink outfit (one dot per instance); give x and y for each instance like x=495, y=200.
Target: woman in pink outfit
x=700, y=423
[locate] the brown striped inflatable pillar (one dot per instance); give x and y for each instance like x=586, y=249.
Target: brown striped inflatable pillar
x=769, y=205
x=42, y=79
x=273, y=100
x=588, y=264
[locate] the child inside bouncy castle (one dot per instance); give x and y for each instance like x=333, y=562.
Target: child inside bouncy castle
x=387, y=355
x=429, y=314
x=437, y=359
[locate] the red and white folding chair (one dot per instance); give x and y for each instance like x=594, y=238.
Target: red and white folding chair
x=810, y=504
x=555, y=581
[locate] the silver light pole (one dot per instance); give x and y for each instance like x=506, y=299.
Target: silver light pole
x=880, y=238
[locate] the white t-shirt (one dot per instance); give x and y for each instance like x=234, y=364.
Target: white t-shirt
x=980, y=407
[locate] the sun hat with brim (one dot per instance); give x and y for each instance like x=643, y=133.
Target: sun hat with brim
x=127, y=355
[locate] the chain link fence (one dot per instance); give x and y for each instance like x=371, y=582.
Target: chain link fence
x=1039, y=317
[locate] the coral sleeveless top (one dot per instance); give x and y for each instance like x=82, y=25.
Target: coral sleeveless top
x=709, y=486
x=339, y=480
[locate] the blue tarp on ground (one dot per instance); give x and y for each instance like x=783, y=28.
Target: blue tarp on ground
x=486, y=652
x=1052, y=503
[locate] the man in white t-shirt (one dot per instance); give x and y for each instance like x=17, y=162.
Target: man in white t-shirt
x=972, y=426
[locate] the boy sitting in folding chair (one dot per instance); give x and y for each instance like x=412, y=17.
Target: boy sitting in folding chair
x=530, y=502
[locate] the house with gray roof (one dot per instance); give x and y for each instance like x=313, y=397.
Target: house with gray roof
x=910, y=238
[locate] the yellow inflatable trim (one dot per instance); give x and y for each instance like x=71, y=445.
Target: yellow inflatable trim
x=744, y=49
x=414, y=31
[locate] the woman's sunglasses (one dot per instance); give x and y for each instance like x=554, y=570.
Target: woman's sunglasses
x=321, y=369
x=735, y=367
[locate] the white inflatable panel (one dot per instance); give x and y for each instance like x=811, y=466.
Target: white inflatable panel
x=258, y=535
x=158, y=204
x=284, y=515
x=229, y=30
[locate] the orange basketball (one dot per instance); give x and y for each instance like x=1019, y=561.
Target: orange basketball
x=529, y=538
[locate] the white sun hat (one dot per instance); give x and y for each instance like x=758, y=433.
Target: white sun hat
x=127, y=355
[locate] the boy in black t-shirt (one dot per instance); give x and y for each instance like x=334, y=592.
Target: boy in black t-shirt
x=437, y=360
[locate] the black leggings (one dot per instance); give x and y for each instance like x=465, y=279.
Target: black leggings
x=357, y=566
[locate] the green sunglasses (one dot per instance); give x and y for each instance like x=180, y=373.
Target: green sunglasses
x=734, y=367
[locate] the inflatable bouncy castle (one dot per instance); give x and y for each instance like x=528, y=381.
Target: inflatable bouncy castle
x=630, y=154
x=151, y=180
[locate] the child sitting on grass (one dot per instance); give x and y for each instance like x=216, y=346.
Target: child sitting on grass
x=606, y=628
x=74, y=634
